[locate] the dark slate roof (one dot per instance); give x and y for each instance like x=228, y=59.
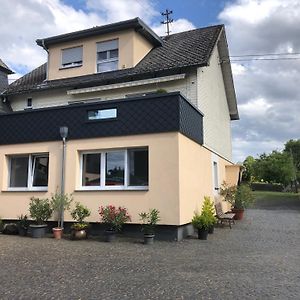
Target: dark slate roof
x=136, y=24
x=178, y=52
x=5, y=68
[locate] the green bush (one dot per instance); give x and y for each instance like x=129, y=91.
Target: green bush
x=149, y=220
x=59, y=203
x=79, y=213
x=40, y=210
x=206, y=219
x=243, y=197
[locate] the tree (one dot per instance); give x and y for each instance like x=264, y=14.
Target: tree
x=248, y=172
x=275, y=167
x=292, y=147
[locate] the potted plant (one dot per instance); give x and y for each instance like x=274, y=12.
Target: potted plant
x=1, y=225
x=59, y=203
x=79, y=229
x=114, y=218
x=150, y=220
x=243, y=199
x=40, y=211
x=23, y=225
x=204, y=221
x=240, y=197
x=208, y=209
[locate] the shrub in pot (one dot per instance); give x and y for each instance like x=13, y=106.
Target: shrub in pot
x=79, y=230
x=209, y=210
x=240, y=197
x=60, y=202
x=40, y=211
x=149, y=220
x=204, y=221
x=114, y=218
x=23, y=225
x=243, y=199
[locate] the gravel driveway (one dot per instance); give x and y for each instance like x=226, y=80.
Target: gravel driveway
x=258, y=259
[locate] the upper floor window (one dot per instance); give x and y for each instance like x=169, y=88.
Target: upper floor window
x=71, y=57
x=29, y=171
x=107, y=56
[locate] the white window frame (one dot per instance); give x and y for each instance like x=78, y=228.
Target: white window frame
x=114, y=59
x=102, y=186
x=30, y=173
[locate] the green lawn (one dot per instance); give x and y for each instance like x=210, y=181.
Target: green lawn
x=276, y=200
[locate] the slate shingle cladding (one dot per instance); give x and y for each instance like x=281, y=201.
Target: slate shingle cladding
x=169, y=112
x=178, y=52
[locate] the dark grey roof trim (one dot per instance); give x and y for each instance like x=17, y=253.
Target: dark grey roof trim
x=5, y=68
x=136, y=24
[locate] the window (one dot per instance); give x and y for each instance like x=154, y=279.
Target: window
x=29, y=103
x=107, y=56
x=102, y=114
x=71, y=57
x=115, y=169
x=216, y=176
x=29, y=171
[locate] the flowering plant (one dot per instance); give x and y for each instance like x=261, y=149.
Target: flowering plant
x=114, y=217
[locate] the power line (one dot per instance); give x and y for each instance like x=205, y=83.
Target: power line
x=266, y=54
x=265, y=59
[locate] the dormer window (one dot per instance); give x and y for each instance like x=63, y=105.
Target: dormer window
x=71, y=57
x=107, y=56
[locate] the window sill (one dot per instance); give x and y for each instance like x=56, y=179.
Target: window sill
x=96, y=189
x=26, y=190
x=70, y=67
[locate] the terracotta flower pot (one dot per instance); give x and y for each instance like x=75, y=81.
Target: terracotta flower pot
x=57, y=232
x=239, y=213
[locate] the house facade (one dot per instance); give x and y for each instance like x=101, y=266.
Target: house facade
x=148, y=123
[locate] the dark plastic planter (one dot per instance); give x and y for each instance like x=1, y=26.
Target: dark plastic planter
x=149, y=239
x=211, y=229
x=110, y=236
x=22, y=231
x=202, y=234
x=38, y=231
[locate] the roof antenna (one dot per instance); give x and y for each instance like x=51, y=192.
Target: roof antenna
x=168, y=20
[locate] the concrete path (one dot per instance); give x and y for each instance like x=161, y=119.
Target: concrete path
x=258, y=259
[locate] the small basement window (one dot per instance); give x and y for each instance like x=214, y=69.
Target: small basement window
x=71, y=57
x=102, y=114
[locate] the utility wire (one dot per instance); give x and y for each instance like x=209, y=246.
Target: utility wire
x=266, y=54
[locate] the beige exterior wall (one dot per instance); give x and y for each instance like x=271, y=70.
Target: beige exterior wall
x=132, y=48
x=213, y=103
x=13, y=204
x=163, y=177
x=196, y=176
x=187, y=86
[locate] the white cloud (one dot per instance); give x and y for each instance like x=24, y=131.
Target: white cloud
x=175, y=27
x=33, y=19
x=267, y=91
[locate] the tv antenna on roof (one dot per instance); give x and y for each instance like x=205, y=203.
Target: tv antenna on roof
x=168, y=20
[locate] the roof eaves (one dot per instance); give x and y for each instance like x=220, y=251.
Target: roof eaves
x=135, y=23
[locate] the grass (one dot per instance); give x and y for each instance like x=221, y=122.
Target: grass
x=276, y=200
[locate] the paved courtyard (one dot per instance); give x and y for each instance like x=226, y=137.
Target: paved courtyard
x=258, y=259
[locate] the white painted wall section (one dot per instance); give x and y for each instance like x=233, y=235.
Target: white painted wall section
x=213, y=103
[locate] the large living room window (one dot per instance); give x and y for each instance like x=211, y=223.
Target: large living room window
x=115, y=169
x=107, y=56
x=28, y=172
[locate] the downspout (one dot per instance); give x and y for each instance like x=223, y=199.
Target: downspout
x=45, y=48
